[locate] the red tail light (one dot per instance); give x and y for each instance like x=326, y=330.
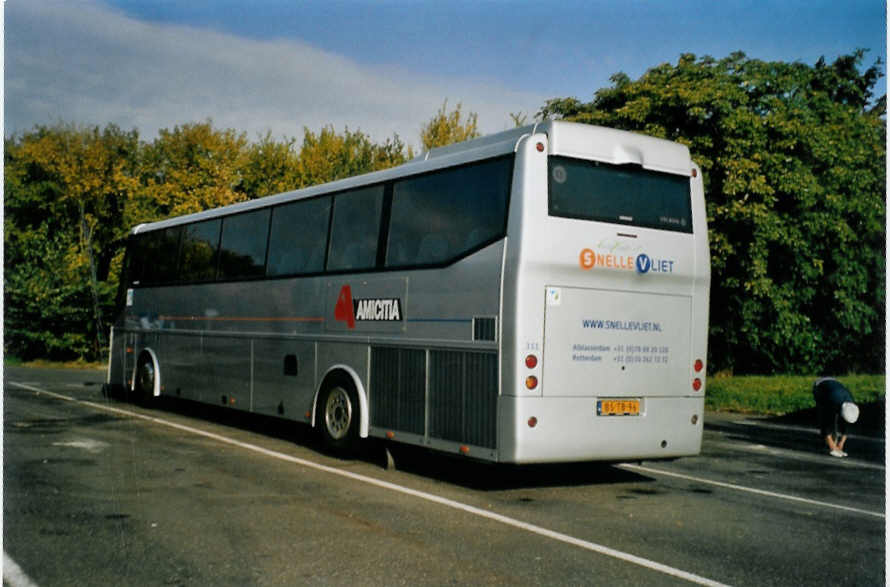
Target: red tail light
x=696, y=384
x=531, y=361
x=699, y=365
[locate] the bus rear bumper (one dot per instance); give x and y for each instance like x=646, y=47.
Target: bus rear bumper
x=569, y=429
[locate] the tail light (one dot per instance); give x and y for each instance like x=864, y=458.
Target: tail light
x=696, y=384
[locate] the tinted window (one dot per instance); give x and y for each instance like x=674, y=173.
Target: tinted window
x=243, y=247
x=298, y=237
x=200, y=242
x=622, y=195
x=440, y=216
x=159, y=251
x=135, y=265
x=355, y=228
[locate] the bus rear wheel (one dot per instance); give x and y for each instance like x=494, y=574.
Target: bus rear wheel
x=145, y=380
x=339, y=415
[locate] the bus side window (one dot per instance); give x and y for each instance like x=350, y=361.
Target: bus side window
x=439, y=216
x=134, y=261
x=354, y=229
x=160, y=252
x=433, y=247
x=200, y=245
x=396, y=254
x=243, y=246
x=298, y=237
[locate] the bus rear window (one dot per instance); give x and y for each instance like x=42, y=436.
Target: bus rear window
x=590, y=190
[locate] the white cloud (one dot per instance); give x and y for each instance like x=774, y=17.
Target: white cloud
x=81, y=62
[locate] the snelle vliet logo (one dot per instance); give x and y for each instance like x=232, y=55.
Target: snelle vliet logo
x=642, y=263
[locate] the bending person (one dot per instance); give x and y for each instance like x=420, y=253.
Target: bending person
x=836, y=410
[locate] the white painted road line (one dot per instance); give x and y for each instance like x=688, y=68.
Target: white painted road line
x=13, y=575
x=796, y=455
x=805, y=429
x=593, y=547
x=651, y=471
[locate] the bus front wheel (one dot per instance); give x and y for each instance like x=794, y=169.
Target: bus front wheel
x=145, y=380
x=339, y=415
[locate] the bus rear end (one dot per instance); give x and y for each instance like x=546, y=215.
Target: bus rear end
x=606, y=299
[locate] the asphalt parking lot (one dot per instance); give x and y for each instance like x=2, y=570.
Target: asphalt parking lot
x=100, y=492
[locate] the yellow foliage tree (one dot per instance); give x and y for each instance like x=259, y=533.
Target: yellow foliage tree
x=66, y=189
x=327, y=156
x=446, y=127
x=192, y=168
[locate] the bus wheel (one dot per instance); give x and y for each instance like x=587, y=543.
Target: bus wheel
x=145, y=380
x=339, y=415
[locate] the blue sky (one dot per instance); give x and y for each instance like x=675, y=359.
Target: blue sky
x=381, y=67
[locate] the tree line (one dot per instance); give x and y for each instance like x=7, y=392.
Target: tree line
x=73, y=193
x=793, y=159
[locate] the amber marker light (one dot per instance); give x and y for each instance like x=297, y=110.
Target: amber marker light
x=531, y=382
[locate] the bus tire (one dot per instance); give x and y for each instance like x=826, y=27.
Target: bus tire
x=339, y=414
x=144, y=383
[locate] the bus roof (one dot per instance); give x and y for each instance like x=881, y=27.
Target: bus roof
x=570, y=139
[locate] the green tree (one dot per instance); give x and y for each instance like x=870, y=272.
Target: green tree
x=794, y=166
x=271, y=167
x=446, y=127
x=519, y=118
x=73, y=194
x=65, y=192
x=327, y=156
x=192, y=168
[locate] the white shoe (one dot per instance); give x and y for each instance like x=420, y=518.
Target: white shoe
x=837, y=453
x=844, y=454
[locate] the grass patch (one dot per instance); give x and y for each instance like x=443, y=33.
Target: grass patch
x=10, y=361
x=777, y=395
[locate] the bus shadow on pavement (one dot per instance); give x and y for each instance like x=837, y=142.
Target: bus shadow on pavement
x=484, y=476
x=270, y=426
x=448, y=468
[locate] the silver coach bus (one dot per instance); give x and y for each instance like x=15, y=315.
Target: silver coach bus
x=536, y=295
